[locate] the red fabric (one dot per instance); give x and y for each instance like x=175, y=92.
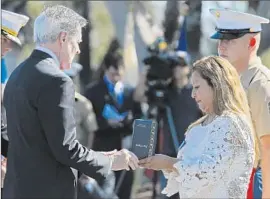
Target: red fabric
x=250, y=186
x=149, y=173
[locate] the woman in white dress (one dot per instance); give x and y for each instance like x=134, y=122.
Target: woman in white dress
x=218, y=154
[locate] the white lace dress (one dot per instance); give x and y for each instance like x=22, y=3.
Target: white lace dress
x=215, y=161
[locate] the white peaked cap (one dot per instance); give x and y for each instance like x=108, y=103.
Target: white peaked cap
x=235, y=24
x=11, y=25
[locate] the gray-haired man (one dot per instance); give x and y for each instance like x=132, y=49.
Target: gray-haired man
x=39, y=100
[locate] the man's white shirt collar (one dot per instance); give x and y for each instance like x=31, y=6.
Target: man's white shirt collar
x=49, y=52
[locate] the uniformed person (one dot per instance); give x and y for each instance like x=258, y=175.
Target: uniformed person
x=239, y=39
x=84, y=113
x=10, y=27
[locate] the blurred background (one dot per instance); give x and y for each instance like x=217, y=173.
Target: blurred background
x=132, y=25
x=129, y=27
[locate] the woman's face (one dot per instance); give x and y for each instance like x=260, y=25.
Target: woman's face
x=202, y=93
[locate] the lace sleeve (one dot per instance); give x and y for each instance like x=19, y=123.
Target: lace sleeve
x=225, y=142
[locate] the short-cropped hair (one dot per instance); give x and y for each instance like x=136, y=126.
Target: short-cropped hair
x=54, y=20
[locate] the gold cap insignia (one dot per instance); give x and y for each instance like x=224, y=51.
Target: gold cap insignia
x=217, y=14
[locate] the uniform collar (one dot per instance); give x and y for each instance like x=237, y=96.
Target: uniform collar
x=255, y=62
x=247, y=76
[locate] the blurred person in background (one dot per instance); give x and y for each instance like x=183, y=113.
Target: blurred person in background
x=183, y=106
x=84, y=113
x=39, y=101
x=184, y=109
x=115, y=109
x=10, y=27
x=239, y=36
x=86, y=125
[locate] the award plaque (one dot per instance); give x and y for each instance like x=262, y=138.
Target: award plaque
x=144, y=138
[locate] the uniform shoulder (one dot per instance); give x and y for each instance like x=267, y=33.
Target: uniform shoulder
x=261, y=78
x=79, y=97
x=82, y=102
x=263, y=74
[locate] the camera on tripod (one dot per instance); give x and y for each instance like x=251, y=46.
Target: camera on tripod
x=161, y=63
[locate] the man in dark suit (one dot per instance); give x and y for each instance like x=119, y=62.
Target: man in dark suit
x=39, y=100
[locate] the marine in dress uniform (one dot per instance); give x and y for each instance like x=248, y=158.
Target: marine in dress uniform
x=10, y=27
x=255, y=79
x=84, y=113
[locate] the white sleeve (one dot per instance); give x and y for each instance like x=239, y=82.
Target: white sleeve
x=225, y=142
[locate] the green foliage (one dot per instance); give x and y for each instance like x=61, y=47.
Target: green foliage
x=102, y=30
x=102, y=27
x=33, y=9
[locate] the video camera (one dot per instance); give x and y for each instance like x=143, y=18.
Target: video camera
x=161, y=63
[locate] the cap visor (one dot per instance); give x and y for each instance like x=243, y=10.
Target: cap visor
x=14, y=39
x=217, y=35
x=227, y=36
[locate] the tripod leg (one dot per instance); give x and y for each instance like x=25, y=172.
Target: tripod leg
x=158, y=150
x=155, y=179
x=120, y=181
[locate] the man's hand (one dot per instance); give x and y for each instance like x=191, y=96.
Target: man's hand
x=124, y=159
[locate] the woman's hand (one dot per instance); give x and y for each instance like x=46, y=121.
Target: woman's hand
x=158, y=162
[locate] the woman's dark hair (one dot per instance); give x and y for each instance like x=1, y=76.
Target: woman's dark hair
x=111, y=58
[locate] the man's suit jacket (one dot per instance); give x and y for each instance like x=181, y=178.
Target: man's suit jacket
x=39, y=100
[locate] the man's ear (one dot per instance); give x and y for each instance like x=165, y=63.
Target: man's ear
x=252, y=42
